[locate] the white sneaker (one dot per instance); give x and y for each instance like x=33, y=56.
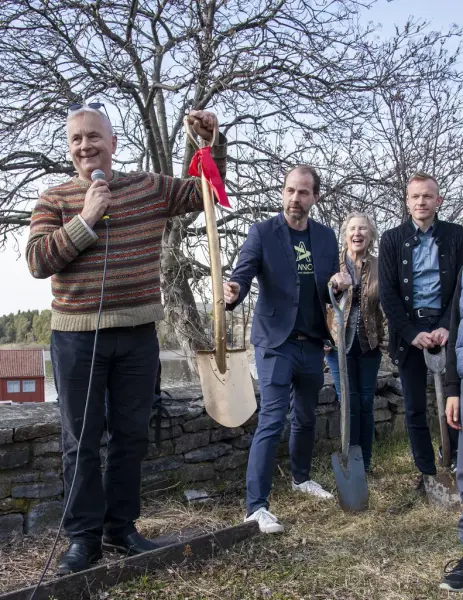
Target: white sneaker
x=268, y=523
x=313, y=488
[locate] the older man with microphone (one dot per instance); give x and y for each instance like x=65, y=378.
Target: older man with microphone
x=67, y=241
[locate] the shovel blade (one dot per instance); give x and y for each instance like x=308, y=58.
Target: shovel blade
x=351, y=481
x=228, y=397
x=442, y=492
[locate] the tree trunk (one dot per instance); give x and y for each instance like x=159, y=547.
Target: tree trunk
x=180, y=307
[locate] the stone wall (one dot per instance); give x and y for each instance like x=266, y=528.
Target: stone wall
x=192, y=448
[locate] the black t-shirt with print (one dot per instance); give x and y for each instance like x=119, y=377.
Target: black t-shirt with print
x=310, y=320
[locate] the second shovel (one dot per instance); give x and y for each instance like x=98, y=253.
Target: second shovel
x=348, y=467
x=441, y=489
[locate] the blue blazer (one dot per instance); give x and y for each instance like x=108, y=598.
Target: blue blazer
x=268, y=255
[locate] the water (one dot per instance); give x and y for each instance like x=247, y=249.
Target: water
x=175, y=372
x=50, y=392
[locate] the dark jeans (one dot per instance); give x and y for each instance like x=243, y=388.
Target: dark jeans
x=413, y=374
x=362, y=371
x=290, y=375
x=125, y=364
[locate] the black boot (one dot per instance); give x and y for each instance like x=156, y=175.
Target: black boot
x=129, y=544
x=78, y=557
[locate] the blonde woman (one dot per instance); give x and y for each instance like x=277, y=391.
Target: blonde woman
x=364, y=328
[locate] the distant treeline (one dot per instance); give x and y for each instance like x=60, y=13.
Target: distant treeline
x=26, y=327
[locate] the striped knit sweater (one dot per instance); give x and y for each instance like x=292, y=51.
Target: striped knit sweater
x=61, y=245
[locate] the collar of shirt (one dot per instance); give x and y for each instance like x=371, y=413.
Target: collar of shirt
x=420, y=231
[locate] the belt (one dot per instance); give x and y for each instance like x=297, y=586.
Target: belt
x=423, y=313
x=298, y=336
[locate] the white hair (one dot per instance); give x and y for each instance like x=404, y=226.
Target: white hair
x=371, y=226
x=86, y=109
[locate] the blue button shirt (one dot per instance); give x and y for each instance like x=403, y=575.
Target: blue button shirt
x=426, y=278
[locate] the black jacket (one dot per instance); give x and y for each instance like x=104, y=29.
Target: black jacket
x=395, y=271
x=452, y=379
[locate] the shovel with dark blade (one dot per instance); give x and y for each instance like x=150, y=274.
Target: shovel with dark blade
x=348, y=467
x=441, y=489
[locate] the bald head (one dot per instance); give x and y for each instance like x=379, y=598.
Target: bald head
x=91, y=142
x=86, y=110
x=305, y=170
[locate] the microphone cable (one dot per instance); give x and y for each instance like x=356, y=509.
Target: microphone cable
x=84, y=420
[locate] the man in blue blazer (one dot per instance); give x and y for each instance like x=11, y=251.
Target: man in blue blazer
x=293, y=258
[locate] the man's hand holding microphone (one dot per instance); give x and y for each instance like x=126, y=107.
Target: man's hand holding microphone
x=97, y=199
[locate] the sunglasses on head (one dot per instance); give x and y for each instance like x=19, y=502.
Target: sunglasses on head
x=94, y=105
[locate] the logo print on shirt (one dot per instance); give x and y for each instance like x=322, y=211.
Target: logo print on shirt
x=303, y=259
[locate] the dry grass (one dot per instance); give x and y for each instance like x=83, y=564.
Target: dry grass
x=22, y=560
x=395, y=551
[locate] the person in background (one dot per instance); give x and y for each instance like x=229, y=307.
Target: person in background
x=363, y=319
x=293, y=258
x=418, y=267
x=452, y=580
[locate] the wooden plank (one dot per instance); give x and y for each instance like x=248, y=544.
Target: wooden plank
x=80, y=586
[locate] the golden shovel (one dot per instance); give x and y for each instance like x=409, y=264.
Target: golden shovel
x=224, y=374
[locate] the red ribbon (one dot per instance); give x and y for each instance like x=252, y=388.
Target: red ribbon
x=203, y=161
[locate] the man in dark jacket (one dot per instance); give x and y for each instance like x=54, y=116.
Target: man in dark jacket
x=293, y=258
x=418, y=266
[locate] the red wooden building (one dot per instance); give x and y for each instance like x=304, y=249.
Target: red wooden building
x=22, y=375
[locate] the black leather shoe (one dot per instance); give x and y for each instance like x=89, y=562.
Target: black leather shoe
x=130, y=544
x=78, y=557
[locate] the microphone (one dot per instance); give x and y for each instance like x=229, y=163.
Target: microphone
x=95, y=176
x=98, y=174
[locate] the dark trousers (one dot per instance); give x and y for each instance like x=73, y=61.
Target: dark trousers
x=290, y=375
x=362, y=372
x=125, y=364
x=413, y=375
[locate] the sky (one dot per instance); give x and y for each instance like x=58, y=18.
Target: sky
x=440, y=14
x=23, y=292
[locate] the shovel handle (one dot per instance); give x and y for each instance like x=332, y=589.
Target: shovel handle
x=218, y=303
x=343, y=376
x=338, y=305
x=435, y=361
x=444, y=432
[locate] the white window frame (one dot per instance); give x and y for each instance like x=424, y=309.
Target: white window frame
x=26, y=382
x=8, y=387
